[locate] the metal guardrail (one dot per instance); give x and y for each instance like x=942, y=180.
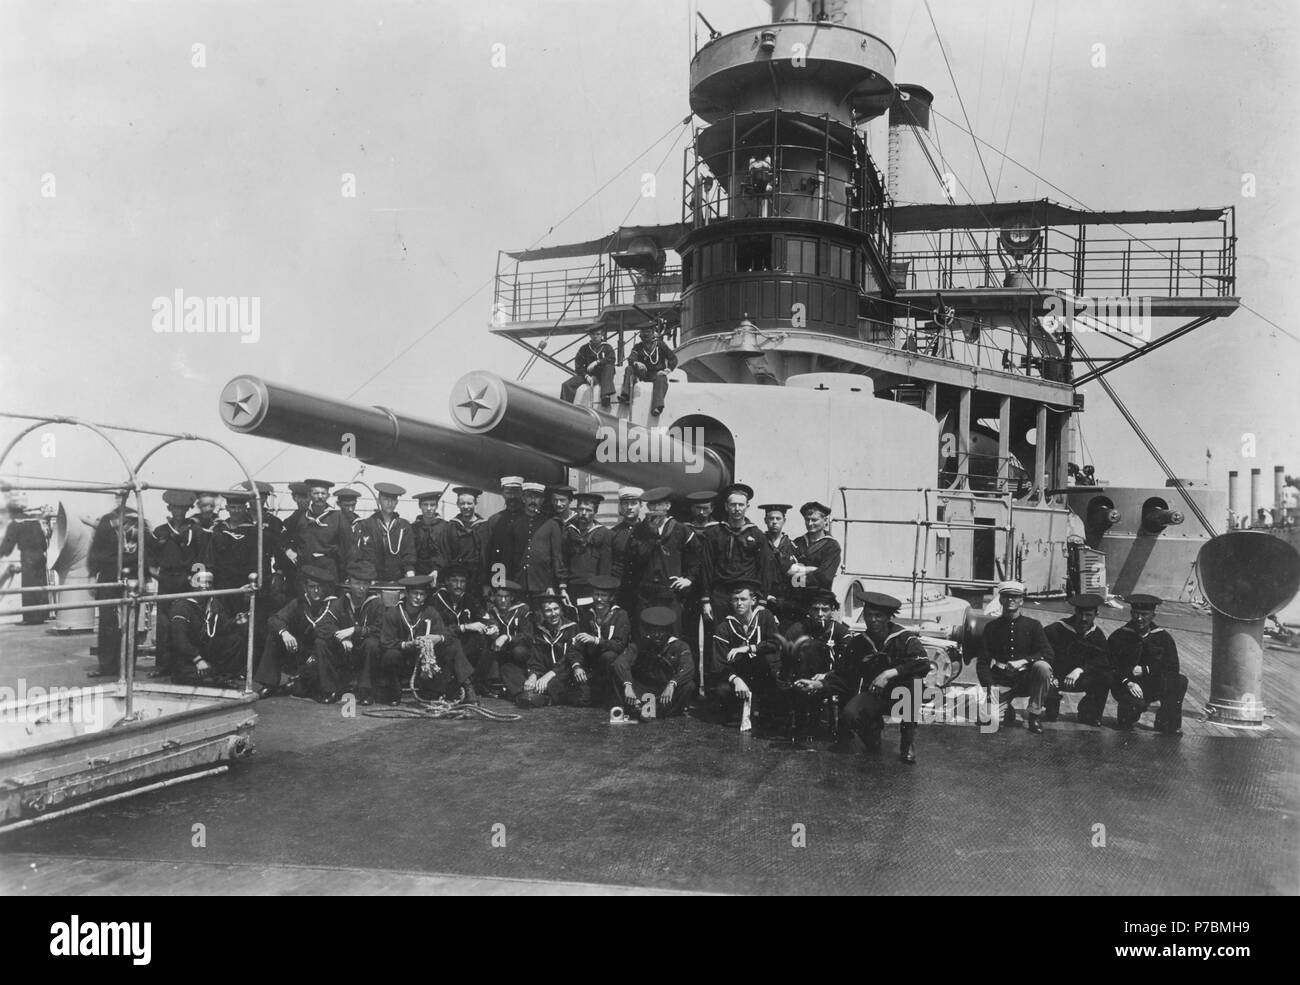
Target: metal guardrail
x=578, y=293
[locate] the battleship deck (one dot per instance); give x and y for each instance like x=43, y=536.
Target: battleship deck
x=368, y=805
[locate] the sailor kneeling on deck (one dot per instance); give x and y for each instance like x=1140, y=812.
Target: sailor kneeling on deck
x=658, y=665
x=1145, y=658
x=878, y=671
x=417, y=645
x=207, y=643
x=1080, y=661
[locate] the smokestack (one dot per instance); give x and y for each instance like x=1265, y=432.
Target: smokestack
x=1254, y=495
x=1233, y=503
x=1277, y=490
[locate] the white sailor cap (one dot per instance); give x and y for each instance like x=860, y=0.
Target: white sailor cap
x=535, y=487
x=1011, y=588
x=631, y=492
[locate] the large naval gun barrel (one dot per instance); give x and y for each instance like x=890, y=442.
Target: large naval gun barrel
x=377, y=436
x=1155, y=520
x=1247, y=576
x=483, y=403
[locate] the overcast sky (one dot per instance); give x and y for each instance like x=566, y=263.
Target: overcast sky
x=226, y=179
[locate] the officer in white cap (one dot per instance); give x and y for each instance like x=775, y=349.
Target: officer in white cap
x=629, y=511
x=1017, y=657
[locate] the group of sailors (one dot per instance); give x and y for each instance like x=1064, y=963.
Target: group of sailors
x=541, y=604
x=650, y=360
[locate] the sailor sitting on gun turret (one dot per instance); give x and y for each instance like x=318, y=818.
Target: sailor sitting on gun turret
x=593, y=366
x=650, y=360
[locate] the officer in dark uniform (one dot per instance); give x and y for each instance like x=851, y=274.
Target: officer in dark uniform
x=429, y=531
x=649, y=360
x=620, y=537
x=207, y=644
x=347, y=639
x=593, y=366
x=878, y=671
x=509, y=640
x=1145, y=661
x=449, y=675
x=512, y=491
x=324, y=533
x=780, y=557
x=1017, y=656
x=1080, y=661
x=173, y=550
x=662, y=562
x=817, y=555
x=390, y=544
x=101, y=561
x=291, y=632
x=462, y=540
x=533, y=548
x=747, y=647
x=588, y=549
x=556, y=674
x=604, y=632
x=657, y=664
x=736, y=550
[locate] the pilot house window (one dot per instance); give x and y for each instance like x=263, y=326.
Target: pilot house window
x=753, y=253
x=800, y=255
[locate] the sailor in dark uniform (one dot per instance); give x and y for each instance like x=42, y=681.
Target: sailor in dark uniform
x=291, y=632
x=817, y=555
x=444, y=674
x=271, y=595
x=509, y=641
x=324, y=533
x=462, y=540
x=463, y=614
x=347, y=640
x=781, y=556
x=533, y=550
x=205, y=521
x=559, y=504
x=173, y=551
x=429, y=531
x=604, y=631
x=29, y=538
x=290, y=552
x=556, y=674
x=814, y=645
x=207, y=644
x=390, y=544
x=736, y=551
x=346, y=500
x=588, y=550
x=593, y=366
x=1080, y=661
x=233, y=550
x=746, y=658
x=658, y=664
x=696, y=629
x=1145, y=660
x=649, y=360
x=662, y=562
x=1017, y=656
x=701, y=507
x=877, y=672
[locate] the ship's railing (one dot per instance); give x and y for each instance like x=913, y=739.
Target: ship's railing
x=578, y=293
x=1170, y=266
x=929, y=538
x=751, y=178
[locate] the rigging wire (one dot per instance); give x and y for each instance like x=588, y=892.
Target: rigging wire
x=960, y=102
x=532, y=360
x=488, y=282
x=1047, y=94
x=1015, y=97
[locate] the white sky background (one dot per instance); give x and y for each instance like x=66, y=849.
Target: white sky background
x=225, y=180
